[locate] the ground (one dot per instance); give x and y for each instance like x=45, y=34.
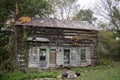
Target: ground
x=110, y=72
x=101, y=72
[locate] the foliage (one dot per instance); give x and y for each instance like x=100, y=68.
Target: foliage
x=108, y=44
x=85, y=15
x=4, y=37
x=25, y=19
x=116, y=51
x=28, y=76
x=110, y=10
x=34, y=7
x=101, y=72
x=6, y=8
x=113, y=13
x=4, y=57
x=106, y=41
x=4, y=54
x=8, y=13
x=107, y=37
x=106, y=62
x=115, y=16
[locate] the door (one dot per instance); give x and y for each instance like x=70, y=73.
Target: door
x=52, y=57
x=66, y=57
x=42, y=58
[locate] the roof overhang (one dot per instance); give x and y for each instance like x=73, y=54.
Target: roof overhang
x=37, y=39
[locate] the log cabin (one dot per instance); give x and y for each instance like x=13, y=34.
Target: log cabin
x=54, y=43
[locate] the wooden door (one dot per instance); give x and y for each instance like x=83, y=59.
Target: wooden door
x=52, y=56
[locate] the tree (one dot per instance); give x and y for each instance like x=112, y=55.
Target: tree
x=34, y=7
x=6, y=8
x=108, y=42
x=111, y=11
x=26, y=8
x=7, y=11
x=64, y=9
x=85, y=15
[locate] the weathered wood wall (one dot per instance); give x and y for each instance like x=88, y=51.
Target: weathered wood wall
x=74, y=39
x=68, y=37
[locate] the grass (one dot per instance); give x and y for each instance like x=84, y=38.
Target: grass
x=104, y=72
x=100, y=72
x=16, y=75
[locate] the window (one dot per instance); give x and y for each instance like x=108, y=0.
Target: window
x=43, y=54
x=74, y=55
x=83, y=54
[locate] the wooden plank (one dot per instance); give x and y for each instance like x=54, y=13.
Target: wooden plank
x=52, y=57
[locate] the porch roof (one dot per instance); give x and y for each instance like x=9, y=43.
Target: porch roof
x=55, y=23
x=38, y=39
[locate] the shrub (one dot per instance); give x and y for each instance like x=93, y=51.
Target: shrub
x=106, y=62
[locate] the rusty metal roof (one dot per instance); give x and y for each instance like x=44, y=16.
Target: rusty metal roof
x=55, y=23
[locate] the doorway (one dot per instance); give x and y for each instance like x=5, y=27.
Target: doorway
x=42, y=58
x=66, y=57
x=52, y=57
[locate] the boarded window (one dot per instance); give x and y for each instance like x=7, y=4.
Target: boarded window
x=83, y=54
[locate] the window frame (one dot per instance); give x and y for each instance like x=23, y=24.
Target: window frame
x=83, y=54
x=44, y=55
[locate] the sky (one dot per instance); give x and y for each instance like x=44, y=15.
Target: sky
x=87, y=3
x=92, y=4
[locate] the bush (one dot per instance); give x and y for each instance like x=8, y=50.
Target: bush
x=106, y=62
